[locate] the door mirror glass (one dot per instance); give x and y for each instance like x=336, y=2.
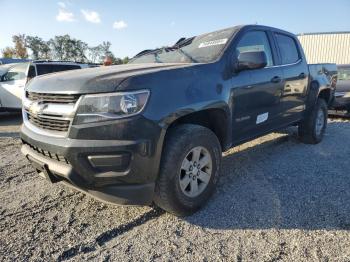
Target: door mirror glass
x=251, y=60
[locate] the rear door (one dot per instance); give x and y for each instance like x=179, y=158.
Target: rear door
x=256, y=93
x=12, y=86
x=295, y=74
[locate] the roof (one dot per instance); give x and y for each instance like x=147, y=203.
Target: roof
x=12, y=60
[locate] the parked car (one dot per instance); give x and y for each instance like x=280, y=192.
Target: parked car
x=342, y=94
x=154, y=130
x=15, y=76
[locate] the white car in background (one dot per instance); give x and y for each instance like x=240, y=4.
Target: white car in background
x=13, y=78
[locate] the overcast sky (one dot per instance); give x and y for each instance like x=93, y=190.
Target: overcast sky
x=132, y=26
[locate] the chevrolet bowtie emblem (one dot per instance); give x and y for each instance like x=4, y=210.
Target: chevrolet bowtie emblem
x=36, y=108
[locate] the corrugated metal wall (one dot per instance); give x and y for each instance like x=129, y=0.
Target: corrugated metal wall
x=327, y=47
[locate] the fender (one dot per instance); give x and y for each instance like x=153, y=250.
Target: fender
x=197, y=114
x=316, y=86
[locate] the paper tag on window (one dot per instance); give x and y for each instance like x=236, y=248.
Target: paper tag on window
x=213, y=42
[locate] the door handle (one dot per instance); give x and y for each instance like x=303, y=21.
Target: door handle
x=302, y=76
x=276, y=79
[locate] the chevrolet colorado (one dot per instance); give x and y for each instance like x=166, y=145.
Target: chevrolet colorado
x=153, y=130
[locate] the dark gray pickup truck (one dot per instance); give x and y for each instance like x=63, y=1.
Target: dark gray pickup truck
x=153, y=131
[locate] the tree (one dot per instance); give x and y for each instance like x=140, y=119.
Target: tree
x=20, y=45
x=40, y=48
x=126, y=60
x=61, y=48
x=95, y=54
x=8, y=52
x=67, y=48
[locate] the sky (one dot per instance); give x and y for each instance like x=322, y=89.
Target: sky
x=132, y=26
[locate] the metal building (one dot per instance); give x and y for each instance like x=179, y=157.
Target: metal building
x=331, y=47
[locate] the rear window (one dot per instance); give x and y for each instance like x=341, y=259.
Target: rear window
x=52, y=68
x=344, y=73
x=288, y=49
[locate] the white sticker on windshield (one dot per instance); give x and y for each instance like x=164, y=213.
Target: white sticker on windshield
x=213, y=42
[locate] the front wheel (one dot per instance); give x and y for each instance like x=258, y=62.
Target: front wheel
x=312, y=128
x=189, y=169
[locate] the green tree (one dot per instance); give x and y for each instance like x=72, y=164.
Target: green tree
x=67, y=48
x=57, y=46
x=126, y=60
x=20, y=45
x=95, y=54
x=40, y=48
x=8, y=52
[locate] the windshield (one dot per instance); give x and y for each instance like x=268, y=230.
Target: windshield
x=343, y=73
x=199, y=49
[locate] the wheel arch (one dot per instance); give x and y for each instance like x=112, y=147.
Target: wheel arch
x=216, y=119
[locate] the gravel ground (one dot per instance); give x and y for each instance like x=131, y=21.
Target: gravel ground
x=277, y=200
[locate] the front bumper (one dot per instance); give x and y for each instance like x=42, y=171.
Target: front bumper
x=115, y=171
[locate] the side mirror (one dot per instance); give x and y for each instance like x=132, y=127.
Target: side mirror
x=251, y=60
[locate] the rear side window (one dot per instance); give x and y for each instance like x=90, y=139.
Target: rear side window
x=288, y=49
x=59, y=68
x=255, y=41
x=44, y=69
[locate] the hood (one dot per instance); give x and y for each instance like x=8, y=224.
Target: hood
x=94, y=80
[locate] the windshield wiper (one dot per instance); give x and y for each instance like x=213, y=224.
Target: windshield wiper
x=181, y=43
x=177, y=47
x=155, y=52
x=185, y=54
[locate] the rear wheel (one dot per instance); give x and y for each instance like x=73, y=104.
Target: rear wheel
x=312, y=128
x=189, y=169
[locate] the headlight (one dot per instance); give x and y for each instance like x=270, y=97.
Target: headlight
x=110, y=106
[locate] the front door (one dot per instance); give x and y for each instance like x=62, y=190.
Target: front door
x=256, y=93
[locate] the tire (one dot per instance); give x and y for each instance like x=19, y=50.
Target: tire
x=312, y=128
x=181, y=149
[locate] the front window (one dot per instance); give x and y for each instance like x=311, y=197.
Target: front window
x=199, y=49
x=255, y=41
x=343, y=73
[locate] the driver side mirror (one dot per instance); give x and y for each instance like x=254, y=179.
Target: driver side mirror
x=251, y=60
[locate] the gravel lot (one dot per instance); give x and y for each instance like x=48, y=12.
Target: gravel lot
x=277, y=200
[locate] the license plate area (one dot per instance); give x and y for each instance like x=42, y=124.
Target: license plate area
x=43, y=169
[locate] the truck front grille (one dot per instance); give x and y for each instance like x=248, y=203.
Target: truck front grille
x=52, y=98
x=60, y=125
x=47, y=154
x=50, y=112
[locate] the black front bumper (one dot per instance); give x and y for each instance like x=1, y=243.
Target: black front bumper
x=116, y=171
